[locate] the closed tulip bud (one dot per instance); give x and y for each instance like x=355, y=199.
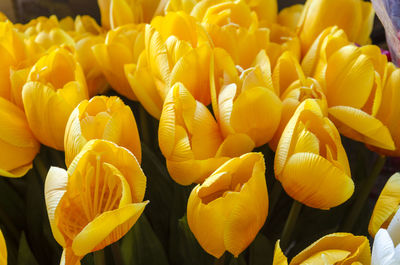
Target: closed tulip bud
x=96, y=201
x=282, y=39
x=353, y=83
x=19, y=146
x=184, y=124
x=290, y=16
x=355, y=17
x=296, y=93
x=101, y=117
x=240, y=105
x=122, y=46
x=55, y=86
x=386, y=206
x=3, y=250
x=310, y=161
x=336, y=248
x=218, y=210
x=115, y=13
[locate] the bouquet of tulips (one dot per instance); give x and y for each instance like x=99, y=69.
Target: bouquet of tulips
x=200, y=132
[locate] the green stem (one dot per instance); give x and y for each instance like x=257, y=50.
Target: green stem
x=99, y=257
x=144, y=126
x=363, y=195
x=290, y=224
x=40, y=167
x=275, y=194
x=116, y=252
x=56, y=157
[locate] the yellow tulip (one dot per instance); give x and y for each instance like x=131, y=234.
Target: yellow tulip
x=218, y=210
x=310, y=161
x=3, y=17
x=101, y=117
x=389, y=110
x=19, y=146
x=96, y=201
x=353, y=80
x=386, y=206
x=122, y=46
x=336, y=248
x=170, y=56
x=282, y=39
x=355, y=17
x=3, y=250
x=290, y=16
x=330, y=40
x=55, y=86
x=296, y=93
x=184, y=124
x=240, y=104
x=115, y=13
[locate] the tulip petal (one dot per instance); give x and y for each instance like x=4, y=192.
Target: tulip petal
x=3, y=249
x=324, y=186
x=383, y=249
x=235, y=145
x=386, y=205
x=279, y=257
x=394, y=228
x=358, y=125
x=331, y=256
x=54, y=189
x=108, y=226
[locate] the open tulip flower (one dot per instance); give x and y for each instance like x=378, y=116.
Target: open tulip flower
x=386, y=206
x=105, y=118
x=55, y=86
x=337, y=248
x=96, y=201
x=218, y=211
x=386, y=248
x=310, y=161
x=171, y=55
x=122, y=46
x=19, y=146
x=353, y=81
x=355, y=17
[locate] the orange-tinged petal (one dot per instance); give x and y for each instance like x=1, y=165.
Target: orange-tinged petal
x=235, y=145
x=386, y=205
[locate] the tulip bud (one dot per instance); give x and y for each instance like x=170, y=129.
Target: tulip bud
x=218, y=210
x=18, y=145
x=310, y=161
x=101, y=117
x=96, y=201
x=55, y=86
x=355, y=17
x=336, y=248
x=386, y=206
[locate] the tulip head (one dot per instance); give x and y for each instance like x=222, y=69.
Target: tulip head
x=226, y=212
x=310, y=160
x=101, y=117
x=96, y=201
x=19, y=146
x=386, y=206
x=55, y=86
x=337, y=248
x=355, y=17
x=122, y=46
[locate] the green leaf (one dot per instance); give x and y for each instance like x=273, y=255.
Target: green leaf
x=141, y=245
x=25, y=256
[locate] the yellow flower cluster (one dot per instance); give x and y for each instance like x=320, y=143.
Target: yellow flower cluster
x=223, y=77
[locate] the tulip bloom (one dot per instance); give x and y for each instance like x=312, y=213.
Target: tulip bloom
x=385, y=250
x=218, y=210
x=122, y=46
x=170, y=56
x=19, y=146
x=96, y=201
x=56, y=85
x=184, y=124
x=105, y=118
x=310, y=161
x=337, y=248
x=355, y=17
x=386, y=206
x=3, y=250
x=353, y=80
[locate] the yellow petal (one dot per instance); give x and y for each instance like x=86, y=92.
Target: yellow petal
x=290, y=16
x=279, y=257
x=3, y=249
x=330, y=256
x=286, y=71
